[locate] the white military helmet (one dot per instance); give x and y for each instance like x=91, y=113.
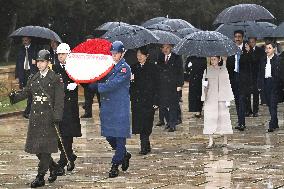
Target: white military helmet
x=63, y=48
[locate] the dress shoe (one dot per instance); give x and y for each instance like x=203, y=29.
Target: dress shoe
x=125, y=163
x=27, y=116
x=39, y=181
x=255, y=115
x=86, y=115
x=198, y=115
x=52, y=169
x=240, y=127
x=171, y=129
x=113, y=171
x=60, y=171
x=270, y=130
x=71, y=164
x=179, y=122
x=211, y=146
x=248, y=114
x=160, y=123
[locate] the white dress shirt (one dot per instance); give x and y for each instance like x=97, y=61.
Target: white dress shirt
x=268, y=68
x=26, y=48
x=236, y=58
x=168, y=56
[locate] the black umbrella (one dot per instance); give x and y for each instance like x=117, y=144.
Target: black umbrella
x=268, y=28
x=110, y=25
x=185, y=31
x=132, y=36
x=166, y=37
x=36, y=31
x=153, y=21
x=206, y=44
x=279, y=31
x=250, y=28
x=162, y=27
x=177, y=24
x=243, y=12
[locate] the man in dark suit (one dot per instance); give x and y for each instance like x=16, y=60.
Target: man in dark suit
x=70, y=126
x=170, y=69
x=89, y=94
x=268, y=81
x=25, y=66
x=239, y=72
x=257, y=54
x=53, y=55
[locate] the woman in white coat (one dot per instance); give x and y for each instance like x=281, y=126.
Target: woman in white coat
x=216, y=94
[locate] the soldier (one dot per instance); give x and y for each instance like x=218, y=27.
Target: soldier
x=70, y=126
x=115, y=108
x=46, y=89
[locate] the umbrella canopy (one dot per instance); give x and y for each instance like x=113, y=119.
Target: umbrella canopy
x=36, y=31
x=250, y=28
x=132, y=36
x=206, y=44
x=159, y=26
x=268, y=28
x=166, y=37
x=177, y=24
x=153, y=21
x=110, y=25
x=243, y=12
x=185, y=31
x=279, y=31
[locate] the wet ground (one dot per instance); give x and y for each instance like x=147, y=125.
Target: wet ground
x=253, y=158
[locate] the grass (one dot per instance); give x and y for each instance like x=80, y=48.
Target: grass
x=6, y=107
x=7, y=63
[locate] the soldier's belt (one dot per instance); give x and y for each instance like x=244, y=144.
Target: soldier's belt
x=40, y=98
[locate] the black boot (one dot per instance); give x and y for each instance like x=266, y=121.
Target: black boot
x=148, y=146
x=143, y=150
x=113, y=171
x=60, y=171
x=71, y=164
x=39, y=181
x=125, y=163
x=53, y=172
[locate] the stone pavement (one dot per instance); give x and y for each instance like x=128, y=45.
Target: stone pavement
x=253, y=158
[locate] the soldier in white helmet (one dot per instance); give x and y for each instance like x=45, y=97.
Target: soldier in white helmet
x=70, y=125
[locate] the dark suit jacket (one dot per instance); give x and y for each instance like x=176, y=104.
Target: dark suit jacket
x=245, y=70
x=70, y=125
x=275, y=72
x=19, y=73
x=170, y=77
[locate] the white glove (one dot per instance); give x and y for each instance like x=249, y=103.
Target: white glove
x=71, y=86
x=227, y=104
x=189, y=64
x=204, y=83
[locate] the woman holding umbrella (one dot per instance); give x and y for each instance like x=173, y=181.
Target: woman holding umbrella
x=217, y=94
x=143, y=95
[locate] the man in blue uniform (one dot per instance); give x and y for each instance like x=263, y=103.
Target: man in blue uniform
x=115, y=108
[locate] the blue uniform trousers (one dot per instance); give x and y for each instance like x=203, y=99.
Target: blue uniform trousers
x=117, y=143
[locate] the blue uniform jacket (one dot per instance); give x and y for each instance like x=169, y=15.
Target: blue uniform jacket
x=115, y=101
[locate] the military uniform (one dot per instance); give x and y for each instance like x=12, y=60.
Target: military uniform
x=46, y=110
x=70, y=125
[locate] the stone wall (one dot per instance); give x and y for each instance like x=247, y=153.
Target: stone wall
x=7, y=79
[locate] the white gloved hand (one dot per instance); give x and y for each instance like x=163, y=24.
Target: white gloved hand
x=71, y=86
x=205, y=83
x=189, y=64
x=227, y=104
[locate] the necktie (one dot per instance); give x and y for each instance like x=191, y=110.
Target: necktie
x=167, y=59
x=26, y=66
x=63, y=66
